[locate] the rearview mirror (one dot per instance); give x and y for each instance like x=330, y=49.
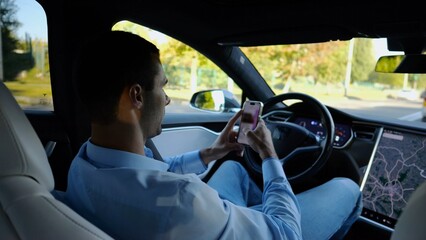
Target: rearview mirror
x=410, y=63
x=216, y=100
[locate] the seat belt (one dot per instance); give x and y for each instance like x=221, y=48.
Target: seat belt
x=150, y=144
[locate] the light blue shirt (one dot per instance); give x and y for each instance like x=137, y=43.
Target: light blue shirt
x=132, y=196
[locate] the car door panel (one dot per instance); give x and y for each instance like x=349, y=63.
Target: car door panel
x=189, y=131
x=178, y=140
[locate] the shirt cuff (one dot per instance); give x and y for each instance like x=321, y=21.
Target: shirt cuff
x=272, y=168
x=194, y=163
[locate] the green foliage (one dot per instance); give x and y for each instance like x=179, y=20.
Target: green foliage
x=269, y=60
x=18, y=55
x=179, y=59
x=31, y=88
x=331, y=63
x=363, y=60
x=394, y=80
x=8, y=10
x=9, y=41
x=13, y=62
x=322, y=64
x=8, y=24
x=421, y=82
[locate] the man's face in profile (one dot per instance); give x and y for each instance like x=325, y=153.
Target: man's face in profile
x=155, y=101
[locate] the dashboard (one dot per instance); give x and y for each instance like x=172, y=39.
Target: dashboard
x=397, y=167
x=343, y=132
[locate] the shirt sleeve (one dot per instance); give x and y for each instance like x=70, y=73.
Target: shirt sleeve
x=189, y=162
x=278, y=199
x=214, y=218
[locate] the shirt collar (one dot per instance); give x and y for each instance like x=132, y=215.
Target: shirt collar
x=121, y=159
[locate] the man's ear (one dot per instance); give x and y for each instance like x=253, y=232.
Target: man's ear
x=135, y=93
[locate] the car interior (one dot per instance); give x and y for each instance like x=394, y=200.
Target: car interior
x=29, y=208
x=37, y=147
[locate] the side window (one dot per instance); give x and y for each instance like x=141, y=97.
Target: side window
x=188, y=71
x=24, y=61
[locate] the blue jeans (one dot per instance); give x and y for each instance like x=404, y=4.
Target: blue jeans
x=328, y=211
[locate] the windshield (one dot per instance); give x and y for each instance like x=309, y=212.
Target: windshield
x=341, y=74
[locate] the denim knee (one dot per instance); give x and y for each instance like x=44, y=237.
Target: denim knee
x=232, y=164
x=349, y=184
x=233, y=167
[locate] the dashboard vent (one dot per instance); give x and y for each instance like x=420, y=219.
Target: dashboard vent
x=364, y=132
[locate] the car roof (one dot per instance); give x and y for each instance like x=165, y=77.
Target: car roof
x=250, y=22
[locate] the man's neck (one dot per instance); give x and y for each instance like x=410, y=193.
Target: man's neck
x=119, y=136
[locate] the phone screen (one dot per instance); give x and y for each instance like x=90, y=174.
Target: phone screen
x=249, y=118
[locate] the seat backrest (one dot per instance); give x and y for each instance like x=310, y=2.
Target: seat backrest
x=28, y=210
x=411, y=223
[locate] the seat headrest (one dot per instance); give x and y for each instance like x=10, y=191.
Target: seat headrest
x=410, y=224
x=21, y=152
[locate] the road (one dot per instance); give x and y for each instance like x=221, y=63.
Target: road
x=401, y=109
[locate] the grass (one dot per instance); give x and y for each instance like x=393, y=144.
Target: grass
x=333, y=92
x=32, y=89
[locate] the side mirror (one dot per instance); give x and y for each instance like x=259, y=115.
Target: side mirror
x=215, y=100
x=410, y=63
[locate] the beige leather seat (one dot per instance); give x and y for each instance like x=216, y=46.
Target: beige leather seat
x=411, y=224
x=28, y=210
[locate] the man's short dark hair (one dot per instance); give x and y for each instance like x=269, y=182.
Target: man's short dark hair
x=109, y=63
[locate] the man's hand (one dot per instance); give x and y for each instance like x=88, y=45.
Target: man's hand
x=225, y=143
x=260, y=140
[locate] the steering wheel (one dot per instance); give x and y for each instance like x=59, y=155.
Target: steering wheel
x=295, y=145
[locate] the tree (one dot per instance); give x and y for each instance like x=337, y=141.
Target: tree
x=391, y=79
x=363, y=60
x=13, y=62
x=179, y=60
x=278, y=64
x=326, y=62
x=9, y=24
x=421, y=82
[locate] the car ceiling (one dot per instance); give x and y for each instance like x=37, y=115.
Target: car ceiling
x=250, y=22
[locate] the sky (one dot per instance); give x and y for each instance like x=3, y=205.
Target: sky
x=32, y=18
x=381, y=48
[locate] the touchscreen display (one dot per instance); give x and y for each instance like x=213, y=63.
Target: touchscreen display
x=397, y=168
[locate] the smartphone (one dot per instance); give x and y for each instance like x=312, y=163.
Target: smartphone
x=249, y=119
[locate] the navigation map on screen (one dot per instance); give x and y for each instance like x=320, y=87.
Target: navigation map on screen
x=398, y=167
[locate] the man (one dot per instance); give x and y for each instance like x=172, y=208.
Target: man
x=115, y=183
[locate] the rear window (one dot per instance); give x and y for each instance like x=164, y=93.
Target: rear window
x=24, y=60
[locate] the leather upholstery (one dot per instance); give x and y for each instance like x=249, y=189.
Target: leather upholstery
x=411, y=223
x=28, y=210
x=21, y=151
